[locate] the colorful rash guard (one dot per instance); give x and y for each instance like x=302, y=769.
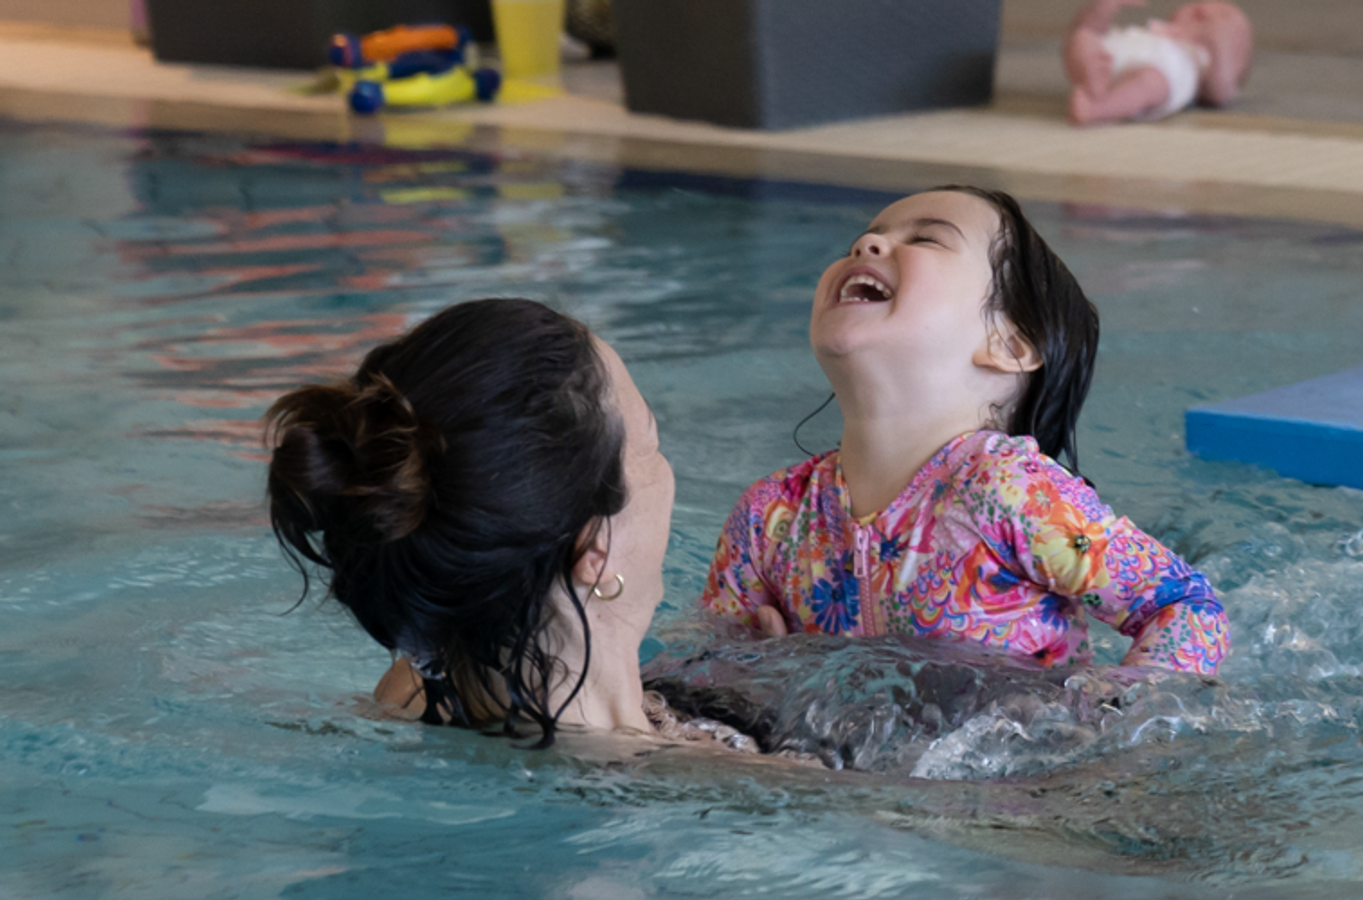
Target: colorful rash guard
x=992, y=542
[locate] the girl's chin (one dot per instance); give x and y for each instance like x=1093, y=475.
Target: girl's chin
x=844, y=341
x=831, y=350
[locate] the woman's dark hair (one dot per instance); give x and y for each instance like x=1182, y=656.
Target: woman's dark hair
x=445, y=489
x=1034, y=290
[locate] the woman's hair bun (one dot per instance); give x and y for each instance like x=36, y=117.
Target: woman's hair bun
x=354, y=452
x=446, y=490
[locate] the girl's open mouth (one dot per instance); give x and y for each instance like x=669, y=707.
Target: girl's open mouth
x=864, y=289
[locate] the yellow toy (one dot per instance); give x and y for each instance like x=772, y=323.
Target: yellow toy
x=410, y=66
x=455, y=85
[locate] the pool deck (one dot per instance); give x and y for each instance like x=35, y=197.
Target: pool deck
x=1292, y=146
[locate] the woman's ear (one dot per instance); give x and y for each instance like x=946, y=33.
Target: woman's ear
x=594, y=543
x=1007, y=352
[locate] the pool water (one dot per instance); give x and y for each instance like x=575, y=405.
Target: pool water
x=171, y=726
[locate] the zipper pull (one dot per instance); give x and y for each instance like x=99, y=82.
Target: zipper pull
x=860, y=562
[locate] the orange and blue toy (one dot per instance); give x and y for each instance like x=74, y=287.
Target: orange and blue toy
x=422, y=65
x=352, y=51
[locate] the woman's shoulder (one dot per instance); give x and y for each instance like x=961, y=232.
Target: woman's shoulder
x=401, y=693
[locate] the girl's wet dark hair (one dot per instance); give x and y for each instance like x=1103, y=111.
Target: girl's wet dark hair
x=445, y=491
x=1034, y=290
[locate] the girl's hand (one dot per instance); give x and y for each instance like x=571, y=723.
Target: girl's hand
x=770, y=621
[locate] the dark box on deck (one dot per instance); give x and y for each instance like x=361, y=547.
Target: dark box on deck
x=290, y=34
x=783, y=63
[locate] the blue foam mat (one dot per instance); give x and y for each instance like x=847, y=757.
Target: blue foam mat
x=1312, y=430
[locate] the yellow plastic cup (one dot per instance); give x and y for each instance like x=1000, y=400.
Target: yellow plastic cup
x=527, y=36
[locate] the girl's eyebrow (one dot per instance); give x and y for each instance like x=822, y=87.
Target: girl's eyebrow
x=924, y=223
x=920, y=223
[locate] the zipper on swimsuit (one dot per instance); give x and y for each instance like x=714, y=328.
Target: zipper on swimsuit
x=860, y=564
x=861, y=567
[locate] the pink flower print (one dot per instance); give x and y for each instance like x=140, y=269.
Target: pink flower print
x=985, y=585
x=1041, y=498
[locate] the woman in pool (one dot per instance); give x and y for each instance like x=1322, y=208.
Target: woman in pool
x=487, y=496
x=960, y=349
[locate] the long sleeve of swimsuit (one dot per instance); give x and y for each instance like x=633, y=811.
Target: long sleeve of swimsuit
x=1042, y=524
x=992, y=542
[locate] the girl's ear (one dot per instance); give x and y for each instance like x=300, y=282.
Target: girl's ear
x=594, y=541
x=1007, y=352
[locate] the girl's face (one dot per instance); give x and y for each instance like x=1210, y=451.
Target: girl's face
x=911, y=290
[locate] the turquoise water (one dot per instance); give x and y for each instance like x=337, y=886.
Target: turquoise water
x=168, y=728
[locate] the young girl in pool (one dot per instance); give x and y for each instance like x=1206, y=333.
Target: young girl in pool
x=960, y=350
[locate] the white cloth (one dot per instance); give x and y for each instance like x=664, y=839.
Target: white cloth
x=1136, y=46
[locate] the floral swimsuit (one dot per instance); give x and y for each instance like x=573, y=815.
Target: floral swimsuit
x=992, y=542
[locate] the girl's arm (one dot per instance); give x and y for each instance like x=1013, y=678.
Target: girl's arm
x=1068, y=541
x=1164, y=605
x=1193, y=634
x=736, y=586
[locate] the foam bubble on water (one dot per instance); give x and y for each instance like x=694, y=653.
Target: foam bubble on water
x=1023, y=737
x=1099, y=712
x=1296, y=608
x=1351, y=545
x=889, y=704
x=925, y=709
x=1303, y=619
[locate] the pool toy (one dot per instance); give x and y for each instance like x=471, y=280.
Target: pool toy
x=353, y=52
x=421, y=65
x=404, y=66
x=457, y=85
x=1312, y=431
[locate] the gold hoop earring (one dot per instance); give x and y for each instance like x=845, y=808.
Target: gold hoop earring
x=619, y=589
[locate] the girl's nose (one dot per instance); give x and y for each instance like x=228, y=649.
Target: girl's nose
x=873, y=245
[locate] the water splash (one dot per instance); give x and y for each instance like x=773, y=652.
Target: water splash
x=954, y=712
